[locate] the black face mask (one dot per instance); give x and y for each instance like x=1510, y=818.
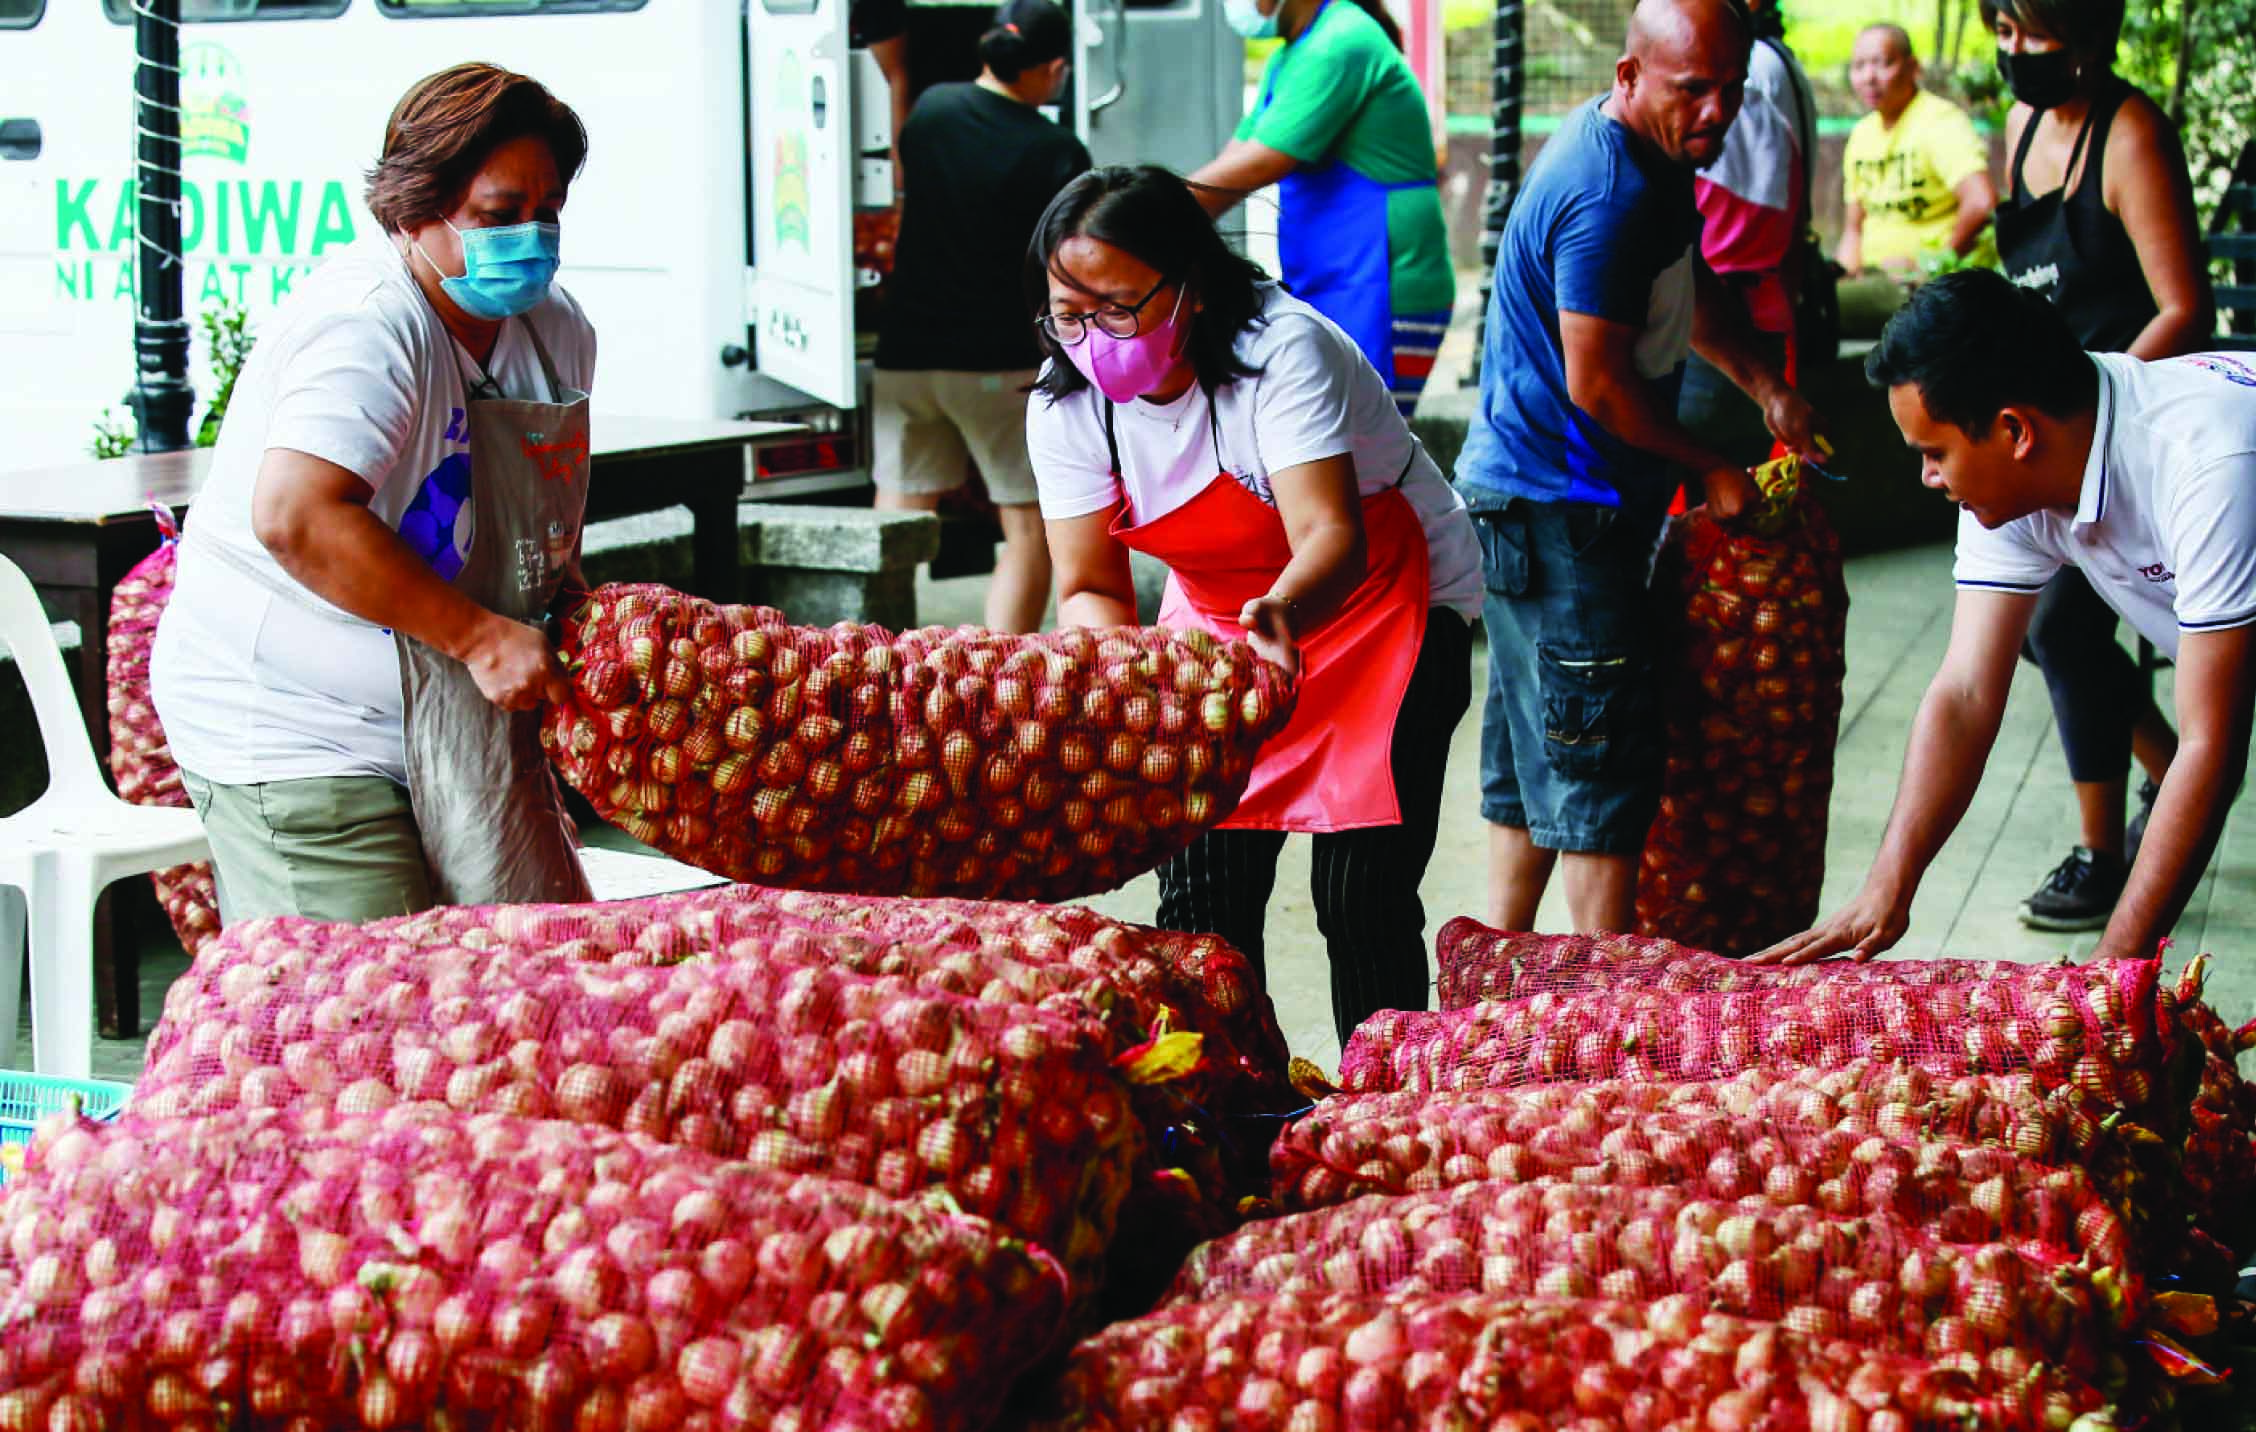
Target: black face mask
x=2040, y=79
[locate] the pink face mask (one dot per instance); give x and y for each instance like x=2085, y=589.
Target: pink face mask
x=1126, y=368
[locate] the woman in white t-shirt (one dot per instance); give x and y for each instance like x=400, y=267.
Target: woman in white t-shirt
x=1196, y=412
x=341, y=549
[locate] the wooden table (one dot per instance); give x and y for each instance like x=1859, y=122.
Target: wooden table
x=77, y=529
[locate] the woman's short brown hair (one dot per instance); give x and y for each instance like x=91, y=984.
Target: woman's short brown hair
x=444, y=128
x=2089, y=29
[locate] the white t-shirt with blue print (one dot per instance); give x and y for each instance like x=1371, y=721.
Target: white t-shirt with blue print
x=1607, y=228
x=356, y=369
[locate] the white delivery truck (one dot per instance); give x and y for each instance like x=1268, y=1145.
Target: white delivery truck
x=710, y=236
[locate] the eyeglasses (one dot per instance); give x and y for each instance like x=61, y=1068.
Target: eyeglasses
x=1068, y=329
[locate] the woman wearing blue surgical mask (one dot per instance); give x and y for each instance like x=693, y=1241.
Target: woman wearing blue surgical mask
x=1341, y=129
x=350, y=668
x=2098, y=216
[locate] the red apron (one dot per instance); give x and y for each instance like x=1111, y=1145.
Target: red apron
x=1332, y=766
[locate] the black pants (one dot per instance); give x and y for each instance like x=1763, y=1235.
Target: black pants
x=1364, y=882
x=2097, y=693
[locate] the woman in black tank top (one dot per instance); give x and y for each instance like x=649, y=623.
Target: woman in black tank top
x=2069, y=245
x=2111, y=238
x=2113, y=241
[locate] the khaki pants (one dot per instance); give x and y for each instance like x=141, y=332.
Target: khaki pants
x=928, y=423
x=328, y=848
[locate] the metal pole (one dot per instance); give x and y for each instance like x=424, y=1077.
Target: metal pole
x=161, y=399
x=1506, y=82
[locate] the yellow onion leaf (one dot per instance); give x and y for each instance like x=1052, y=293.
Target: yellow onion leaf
x=1170, y=1056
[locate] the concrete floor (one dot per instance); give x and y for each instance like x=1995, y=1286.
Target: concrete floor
x=2019, y=826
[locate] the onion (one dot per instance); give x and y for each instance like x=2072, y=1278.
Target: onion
x=707, y=1369
x=619, y=1346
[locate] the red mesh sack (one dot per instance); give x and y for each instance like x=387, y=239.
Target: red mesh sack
x=800, y=1067
x=876, y=232
x=140, y=758
x=2095, y=1027
x=1359, y=1363
x=1191, y=982
x=1209, y=1079
x=1215, y=1096
x=1735, y=860
x=1209, y=1082
x=1179, y=1015
x=1477, y=963
x=417, y=1268
x=1875, y=1277
x=2219, y=1160
x=1945, y=1160
x=937, y=761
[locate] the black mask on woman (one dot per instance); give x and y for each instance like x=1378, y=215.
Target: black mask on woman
x=2040, y=79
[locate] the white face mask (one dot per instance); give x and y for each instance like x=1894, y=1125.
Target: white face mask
x=1245, y=17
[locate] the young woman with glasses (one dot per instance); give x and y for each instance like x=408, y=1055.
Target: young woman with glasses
x=1194, y=411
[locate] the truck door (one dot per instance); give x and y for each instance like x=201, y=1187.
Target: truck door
x=1155, y=81
x=801, y=281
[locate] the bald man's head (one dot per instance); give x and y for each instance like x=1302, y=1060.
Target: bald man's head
x=1883, y=71
x=1673, y=25
x=1893, y=38
x=1679, y=82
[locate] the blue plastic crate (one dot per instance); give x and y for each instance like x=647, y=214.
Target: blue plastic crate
x=25, y=1099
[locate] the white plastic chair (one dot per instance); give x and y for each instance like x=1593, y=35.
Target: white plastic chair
x=63, y=850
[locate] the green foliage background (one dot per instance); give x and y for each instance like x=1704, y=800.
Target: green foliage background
x=227, y=339
x=2196, y=57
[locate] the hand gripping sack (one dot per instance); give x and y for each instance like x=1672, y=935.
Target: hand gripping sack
x=421, y=1268
x=937, y=761
x=140, y=759
x=1736, y=858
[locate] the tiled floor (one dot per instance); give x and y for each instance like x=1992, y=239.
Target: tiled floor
x=2020, y=824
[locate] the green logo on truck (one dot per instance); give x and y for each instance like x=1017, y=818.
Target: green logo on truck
x=247, y=240
x=215, y=116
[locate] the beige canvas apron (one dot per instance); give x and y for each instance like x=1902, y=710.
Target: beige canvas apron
x=486, y=800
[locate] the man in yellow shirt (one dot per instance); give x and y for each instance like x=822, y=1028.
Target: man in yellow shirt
x=1915, y=175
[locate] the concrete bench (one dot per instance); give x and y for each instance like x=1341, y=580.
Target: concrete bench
x=651, y=548
x=820, y=565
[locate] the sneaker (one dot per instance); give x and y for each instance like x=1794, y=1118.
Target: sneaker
x=2136, y=830
x=2079, y=894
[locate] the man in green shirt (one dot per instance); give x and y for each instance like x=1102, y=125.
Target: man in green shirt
x=1341, y=128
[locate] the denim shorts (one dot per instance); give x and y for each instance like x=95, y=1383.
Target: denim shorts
x=1572, y=737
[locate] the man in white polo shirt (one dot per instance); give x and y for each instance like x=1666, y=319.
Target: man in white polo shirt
x=2143, y=475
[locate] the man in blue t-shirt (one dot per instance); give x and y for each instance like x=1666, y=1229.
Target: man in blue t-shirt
x=1599, y=293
